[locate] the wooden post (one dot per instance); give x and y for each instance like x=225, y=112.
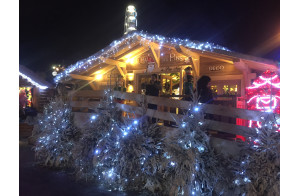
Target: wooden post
x=181, y=81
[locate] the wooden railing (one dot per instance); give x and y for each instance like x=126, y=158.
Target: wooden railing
x=87, y=101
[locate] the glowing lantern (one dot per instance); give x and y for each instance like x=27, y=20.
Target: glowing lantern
x=99, y=77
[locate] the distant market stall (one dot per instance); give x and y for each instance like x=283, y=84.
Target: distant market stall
x=32, y=89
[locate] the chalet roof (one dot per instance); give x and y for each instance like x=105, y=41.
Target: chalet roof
x=33, y=78
x=145, y=39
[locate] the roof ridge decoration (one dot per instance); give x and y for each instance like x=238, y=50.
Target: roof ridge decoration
x=145, y=39
x=32, y=78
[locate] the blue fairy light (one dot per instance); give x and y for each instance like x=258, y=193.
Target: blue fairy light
x=196, y=109
x=97, y=151
x=135, y=122
x=246, y=179
x=200, y=149
x=237, y=181
x=93, y=117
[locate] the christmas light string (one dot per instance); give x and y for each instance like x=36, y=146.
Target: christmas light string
x=146, y=39
x=32, y=81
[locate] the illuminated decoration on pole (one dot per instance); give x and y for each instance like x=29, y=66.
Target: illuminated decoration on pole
x=145, y=40
x=264, y=95
x=130, y=19
x=32, y=81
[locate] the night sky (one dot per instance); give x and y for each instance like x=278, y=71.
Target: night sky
x=63, y=32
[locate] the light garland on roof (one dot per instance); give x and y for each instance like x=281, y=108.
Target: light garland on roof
x=146, y=39
x=32, y=81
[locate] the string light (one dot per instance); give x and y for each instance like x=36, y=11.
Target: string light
x=128, y=39
x=32, y=81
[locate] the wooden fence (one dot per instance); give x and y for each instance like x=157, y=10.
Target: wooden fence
x=87, y=101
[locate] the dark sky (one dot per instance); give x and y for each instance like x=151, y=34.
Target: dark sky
x=63, y=32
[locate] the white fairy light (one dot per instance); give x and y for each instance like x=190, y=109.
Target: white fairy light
x=145, y=40
x=97, y=151
x=32, y=81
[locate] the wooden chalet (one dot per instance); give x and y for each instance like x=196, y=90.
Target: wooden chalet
x=137, y=55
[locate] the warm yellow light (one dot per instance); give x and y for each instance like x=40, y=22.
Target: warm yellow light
x=130, y=76
x=99, y=76
x=130, y=88
x=97, y=72
x=130, y=61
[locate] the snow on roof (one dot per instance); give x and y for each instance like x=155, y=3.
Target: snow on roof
x=33, y=78
x=146, y=38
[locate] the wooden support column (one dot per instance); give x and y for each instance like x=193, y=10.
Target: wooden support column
x=180, y=81
x=121, y=71
x=246, y=81
x=94, y=87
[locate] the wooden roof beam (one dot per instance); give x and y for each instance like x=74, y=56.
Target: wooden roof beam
x=93, y=86
x=104, y=70
x=113, y=62
x=189, y=52
x=80, y=77
x=164, y=45
x=216, y=58
x=125, y=48
x=193, y=56
x=156, y=57
x=121, y=71
x=145, y=49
